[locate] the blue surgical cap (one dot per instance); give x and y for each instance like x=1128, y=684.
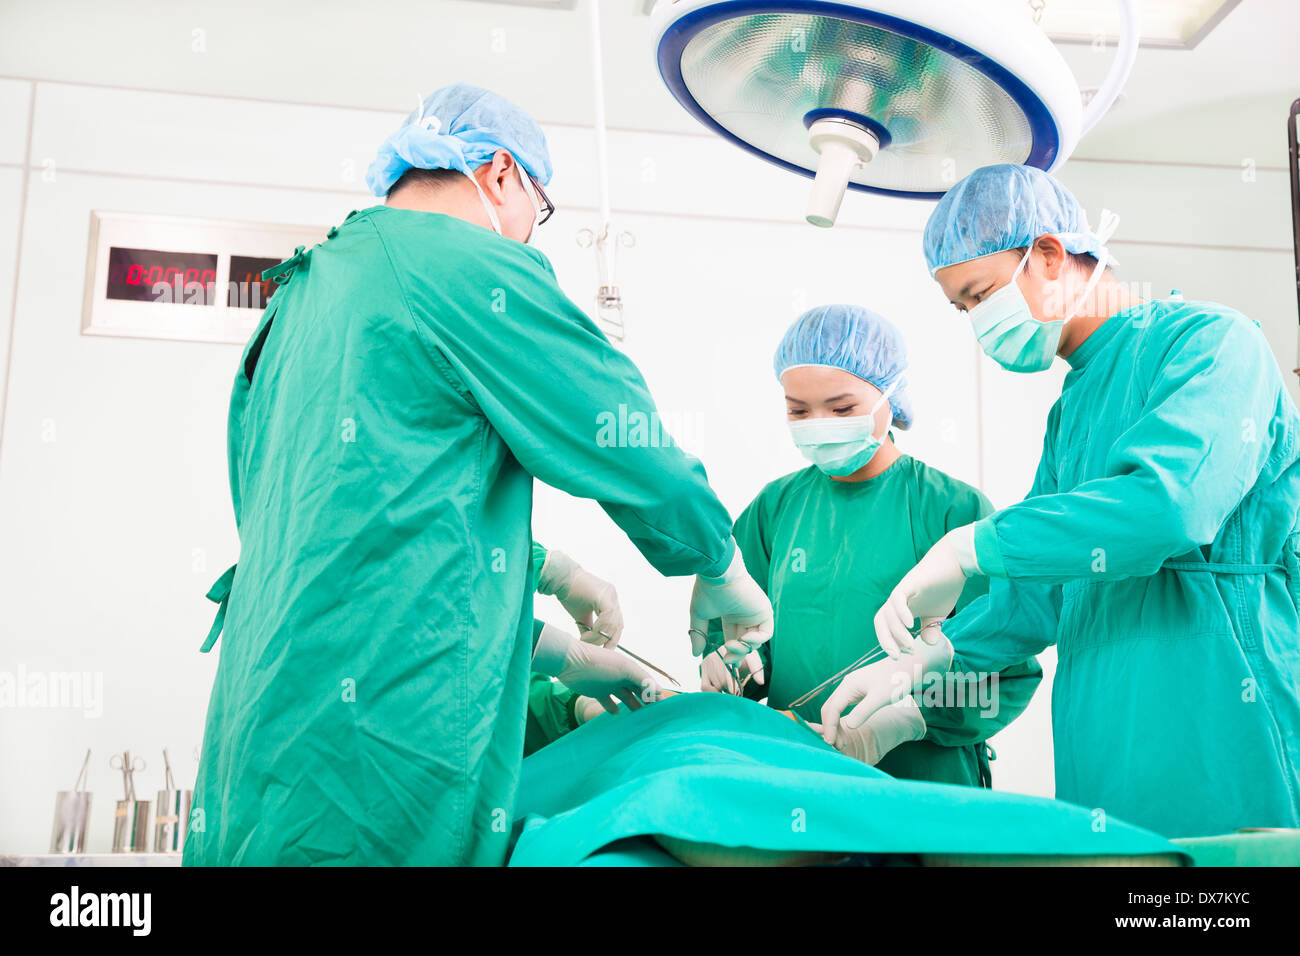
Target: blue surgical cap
x=460, y=127
x=997, y=208
x=856, y=340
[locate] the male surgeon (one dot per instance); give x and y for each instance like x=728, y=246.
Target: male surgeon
x=1159, y=547
x=408, y=382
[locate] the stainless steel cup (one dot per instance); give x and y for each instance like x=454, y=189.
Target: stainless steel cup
x=172, y=821
x=131, y=826
x=71, y=817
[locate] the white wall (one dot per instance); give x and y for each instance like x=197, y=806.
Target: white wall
x=114, y=510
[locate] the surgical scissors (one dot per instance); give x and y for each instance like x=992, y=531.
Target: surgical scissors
x=128, y=766
x=645, y=663
x=870, y=657
x=732, y=669
x=587, y=628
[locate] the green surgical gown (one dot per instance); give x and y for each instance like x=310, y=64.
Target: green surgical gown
x=828, y=553
x=407, y=383
x=1158, y=550
x=550, y=704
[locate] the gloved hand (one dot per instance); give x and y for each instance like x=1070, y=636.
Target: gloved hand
x=591, y=602
x=745, y=611
x=891, y=725
x=585, y=708
x=871, y=688
x=592, y=671
x=928, y=592
x=716, y=677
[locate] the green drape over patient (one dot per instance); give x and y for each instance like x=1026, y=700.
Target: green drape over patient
x=718, y=772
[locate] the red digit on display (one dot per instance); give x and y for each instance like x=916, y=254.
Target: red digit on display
x=135, y=275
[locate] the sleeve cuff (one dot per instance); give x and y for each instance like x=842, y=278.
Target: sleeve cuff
x=555, y=573
x=963, y=543
x=720, y=571
x=552, y=650
x=987, y=553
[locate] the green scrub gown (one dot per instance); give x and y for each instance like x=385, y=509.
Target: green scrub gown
x=828, y=553
x=550, y=704
x=406, y=384
x=1158, y=551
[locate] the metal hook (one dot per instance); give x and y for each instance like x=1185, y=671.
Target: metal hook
x=609, y=298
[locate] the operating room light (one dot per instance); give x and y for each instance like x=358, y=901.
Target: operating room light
x=899, y=97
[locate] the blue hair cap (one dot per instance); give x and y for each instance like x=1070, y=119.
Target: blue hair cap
x=997, y=208
x=460, y=127
x=856, y=340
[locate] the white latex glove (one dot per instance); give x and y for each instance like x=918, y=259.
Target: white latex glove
x=591, y=671
x=871, y=688
x=891, y=725
x=585, y=708
x=928, y=592
x=716, y=677
x=745, y=611
x=591, y=602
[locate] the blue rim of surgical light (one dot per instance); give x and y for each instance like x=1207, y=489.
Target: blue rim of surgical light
x=866, y=122
x=1046, y=136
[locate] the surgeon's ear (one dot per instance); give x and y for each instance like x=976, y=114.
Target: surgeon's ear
x=499, y=174
x=1052, y=252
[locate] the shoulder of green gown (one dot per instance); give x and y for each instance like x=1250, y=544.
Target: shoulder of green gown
x=435, y=235
x=776, y=491
x=1169, y=319
x=1161, y=328
x=965, y=503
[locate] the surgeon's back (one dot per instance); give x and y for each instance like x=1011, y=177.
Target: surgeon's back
x=358, y=472
x=387, y=420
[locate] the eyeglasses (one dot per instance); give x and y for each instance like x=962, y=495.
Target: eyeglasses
x=546, y=208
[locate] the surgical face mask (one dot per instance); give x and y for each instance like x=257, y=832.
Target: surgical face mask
x=840, y=446
x=1008, y=332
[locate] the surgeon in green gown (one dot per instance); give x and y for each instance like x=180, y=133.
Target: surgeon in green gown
x=1159, y=547
x=410, y=378
x=828, y=543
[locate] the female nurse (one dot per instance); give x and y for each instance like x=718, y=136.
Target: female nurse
x=828, y=543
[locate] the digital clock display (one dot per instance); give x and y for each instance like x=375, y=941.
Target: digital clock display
x=152, y=275
x=247, y=290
